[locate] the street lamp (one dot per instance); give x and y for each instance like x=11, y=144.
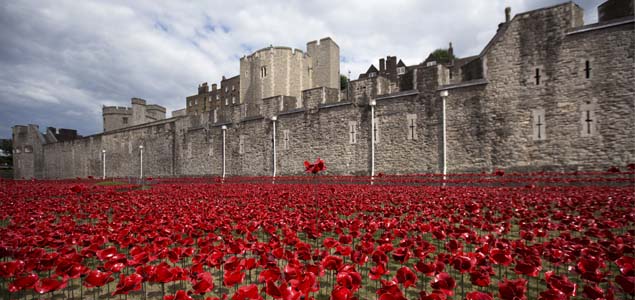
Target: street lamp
x=224, y=128
x=103, y=154
x=141, y=161
x=273, y=134
x=372, y=138
x=444, y=95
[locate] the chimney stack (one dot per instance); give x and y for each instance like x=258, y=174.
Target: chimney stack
x=508, y=11
x=382, y=65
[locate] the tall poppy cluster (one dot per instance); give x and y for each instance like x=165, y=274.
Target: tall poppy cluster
x=485, y=236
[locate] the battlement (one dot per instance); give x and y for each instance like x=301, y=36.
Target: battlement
x=116, y=117
x=272, y=49
x=138, y=101
x=322, y=41
x=109, y=110
x=155, y=107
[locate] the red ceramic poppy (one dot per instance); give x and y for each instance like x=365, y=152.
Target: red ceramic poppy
x=204, y=283
x=627, y=283
x=341, y=293
x=233, y=278
x=97, y=278
x=463, y=263
x=247, y=292
x=23, y=283
x=332, y=262
x=478, y=296
x=512, y=289
x=180, y=295
x=560, y=283
x=127, y=284
x=444, y=282
x=49, y=285
x=406, y=277
x=316, y=167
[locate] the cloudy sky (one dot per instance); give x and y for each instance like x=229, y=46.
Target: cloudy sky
x=61, y=60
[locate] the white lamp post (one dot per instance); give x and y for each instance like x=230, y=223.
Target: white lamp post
x=372, y=138
x=273, y=134
x=224, y=128
x=141, y=161
x=444, y=95
x=103, y=154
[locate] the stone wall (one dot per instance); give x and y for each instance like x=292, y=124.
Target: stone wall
x=577, y=114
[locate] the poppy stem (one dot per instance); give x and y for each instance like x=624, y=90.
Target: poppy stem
x=462, y=286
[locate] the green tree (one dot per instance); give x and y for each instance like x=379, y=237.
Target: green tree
x=343, y=82
x=441, y=56
x=6, y=146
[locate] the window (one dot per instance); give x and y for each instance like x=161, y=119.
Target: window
x=209, y=99
x=352, y=131
x=372, y=74
x=217, y=97
x=233, y=99
x=587, y=69
x=376, y=131
x=401, y=70
x=539, y=125
x=588, y=120
x=537, y=76
x=233, y=87
x=125, y=120
x=241, y=144
x=226, y=101
x=28, y=149
x=263, y=72
x=226, y=89
x=195, y=101
x=17, y=150
x=285, y=139
x=411, y=126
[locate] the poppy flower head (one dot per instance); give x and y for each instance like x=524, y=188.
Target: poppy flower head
x=97, y=278
x=406, y=277
x=128, y=283
x=478, y=296
x=23, y=283
x=444, y=282
x=512, y=289
x=316, y=167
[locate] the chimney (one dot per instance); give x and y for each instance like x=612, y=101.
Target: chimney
x=214, y=86
x=508, y=11
x=382, y=65
x=451, y=50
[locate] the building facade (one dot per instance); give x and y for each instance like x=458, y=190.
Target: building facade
x=546, y=93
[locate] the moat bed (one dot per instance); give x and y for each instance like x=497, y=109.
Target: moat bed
x=477, y=236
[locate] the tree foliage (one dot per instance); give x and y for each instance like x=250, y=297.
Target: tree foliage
x=441, y=56
x=343, y=82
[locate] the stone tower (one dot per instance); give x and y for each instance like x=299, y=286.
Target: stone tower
x=283, y=71
x=325, y=57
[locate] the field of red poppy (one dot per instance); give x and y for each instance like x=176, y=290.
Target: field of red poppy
x=486, y=236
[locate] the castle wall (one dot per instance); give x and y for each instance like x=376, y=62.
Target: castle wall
x=506, y=117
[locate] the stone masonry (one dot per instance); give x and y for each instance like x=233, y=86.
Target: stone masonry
x=546, y=93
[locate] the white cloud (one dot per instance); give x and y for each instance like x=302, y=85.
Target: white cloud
x=74, y=56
